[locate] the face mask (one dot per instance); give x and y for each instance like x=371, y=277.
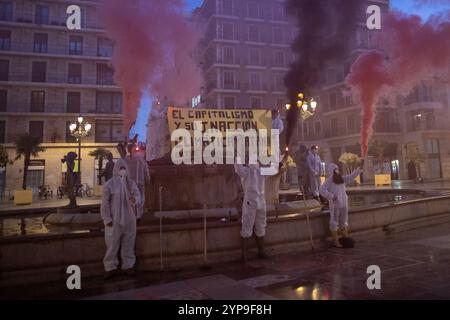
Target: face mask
x=122, y=172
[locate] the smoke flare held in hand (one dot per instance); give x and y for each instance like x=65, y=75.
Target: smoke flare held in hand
x=413, y=52
x=153, y=47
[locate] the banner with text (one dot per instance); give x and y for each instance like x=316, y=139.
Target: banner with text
x=222, y=120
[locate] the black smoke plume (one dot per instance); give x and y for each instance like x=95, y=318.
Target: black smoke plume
x=326, y=28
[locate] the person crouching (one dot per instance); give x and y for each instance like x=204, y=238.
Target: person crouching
x=118, y=211
x=334, y=190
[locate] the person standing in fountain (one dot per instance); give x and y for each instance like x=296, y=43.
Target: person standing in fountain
x=300, y=157
x=119, y=199
x=254, y=215
x=314, y=168
x=334, y=190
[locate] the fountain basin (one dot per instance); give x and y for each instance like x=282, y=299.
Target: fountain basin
x=42, y=258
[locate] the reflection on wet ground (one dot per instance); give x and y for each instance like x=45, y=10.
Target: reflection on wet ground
x=30, y=225
x=414, y=265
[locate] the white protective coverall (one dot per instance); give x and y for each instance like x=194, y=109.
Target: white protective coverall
x=254, y=206
x=337, y=197
x=314, y=163
x=138, y=172
x=117, y=208
x=277, y=123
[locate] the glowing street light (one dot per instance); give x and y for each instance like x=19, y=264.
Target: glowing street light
x=80, y=129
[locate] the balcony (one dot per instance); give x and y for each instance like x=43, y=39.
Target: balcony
x=45, y=50
x=50, y=21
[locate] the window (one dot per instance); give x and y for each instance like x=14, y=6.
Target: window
x=225, y=7
x=333, y=100
x=73, y=102
x=281, y=103
x=74, y=73
x=40, y=43
x=277, y=35
x=432, y=146
x=255, y=81
x=104, y=47
x=255, y=102
x=253, y=10
x=226, y=31
x=253, y=33
x=5, y=40
x=255, y=56
x=42, y=14
x=430, y=120
x=229, y=102
x=39, y=72
x=278, y=13
x=37, y=101
x=76, y=45
x=228, y=55
x=3, y=100
x=4, y=70
x=36, y=129
x=109, y=102
x=6, y=11
x=35, y=178
x=108, y=131
x=279, y=59
x=104, y=74
x=351, y=124
x=334, y=127
x=69, y=137
x=279, y=82
x=2, y=131
x=228, y=79
x=317, y=128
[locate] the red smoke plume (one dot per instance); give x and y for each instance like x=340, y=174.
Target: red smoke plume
x=153, y=47
x=414, y=51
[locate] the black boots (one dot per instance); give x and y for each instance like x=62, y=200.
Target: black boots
x=244, y=246
x=260, y=244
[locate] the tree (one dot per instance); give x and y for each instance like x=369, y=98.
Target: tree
x=26, y=147
x=414, y=155
x=99, y=154
x=4, y=158
x=351, y=161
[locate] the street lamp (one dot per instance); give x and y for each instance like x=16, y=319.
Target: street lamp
x=307, y=109
x=80, y=129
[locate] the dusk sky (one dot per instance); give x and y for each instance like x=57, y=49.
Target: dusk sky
x=409, y=6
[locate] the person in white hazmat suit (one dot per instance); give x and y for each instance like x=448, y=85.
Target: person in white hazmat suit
x=277, y=123
x=118, y=211
x=254, y=214
x=314, y=168
x=334, y=190
x=139, y=173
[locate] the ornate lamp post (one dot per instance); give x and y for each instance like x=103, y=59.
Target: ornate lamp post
x=307, y=109
x=80, y=130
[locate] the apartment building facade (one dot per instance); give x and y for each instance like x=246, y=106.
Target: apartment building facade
x=245, y=52
x=49, y=75
x=415, y=120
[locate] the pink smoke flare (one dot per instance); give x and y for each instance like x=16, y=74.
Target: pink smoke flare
x=153, y=51
x=413, y=51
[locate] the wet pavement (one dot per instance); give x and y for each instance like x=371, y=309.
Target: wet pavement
x=414, y=265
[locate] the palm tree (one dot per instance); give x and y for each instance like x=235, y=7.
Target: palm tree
x=4, y=158
x=27, y=146
x=100, y=154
